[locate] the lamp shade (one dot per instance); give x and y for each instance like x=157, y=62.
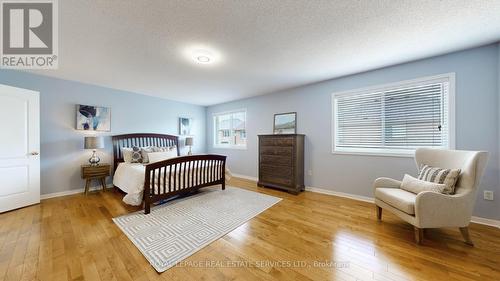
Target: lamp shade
x=189, y=141
x=94, y=143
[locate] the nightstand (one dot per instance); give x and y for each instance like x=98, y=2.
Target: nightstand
x=99, y=173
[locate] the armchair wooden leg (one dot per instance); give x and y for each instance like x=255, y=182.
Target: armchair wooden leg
x=466, y=236
x=379, y=213
x=419, y=235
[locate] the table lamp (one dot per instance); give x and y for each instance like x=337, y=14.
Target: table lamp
x=94, y=143
x=189, y=142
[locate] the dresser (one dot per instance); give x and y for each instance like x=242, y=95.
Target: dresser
x=281, y=162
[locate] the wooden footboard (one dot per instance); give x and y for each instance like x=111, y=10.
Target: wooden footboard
x=182, y=175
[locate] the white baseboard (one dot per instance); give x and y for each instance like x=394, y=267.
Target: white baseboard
x=485, y=221
x=340, y=194
x=479, y=220
x=71, y=192
x=245, y=177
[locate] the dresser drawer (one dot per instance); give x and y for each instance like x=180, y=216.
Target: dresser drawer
x=278, y=171
x=95, y=171
x=276, y=150
x=272, y=179
x=276, y=160
x=277, y=141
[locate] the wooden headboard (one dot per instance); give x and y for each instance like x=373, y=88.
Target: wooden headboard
x=141, y=140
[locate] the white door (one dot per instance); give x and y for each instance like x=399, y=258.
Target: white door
x=19, y=148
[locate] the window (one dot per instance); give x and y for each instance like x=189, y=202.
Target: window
x=395, y=119
x=230, y=129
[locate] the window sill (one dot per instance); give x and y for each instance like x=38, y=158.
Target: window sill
x=397, y=154
x=230, y=147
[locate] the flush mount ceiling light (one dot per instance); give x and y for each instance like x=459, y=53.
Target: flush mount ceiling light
x=202, y=54
x=203, y=59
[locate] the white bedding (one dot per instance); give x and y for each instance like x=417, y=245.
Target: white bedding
x=129, y=177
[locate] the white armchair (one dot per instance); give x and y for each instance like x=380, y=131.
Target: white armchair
x=430, y=209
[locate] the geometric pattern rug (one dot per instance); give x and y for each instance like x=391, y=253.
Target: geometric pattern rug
x=179, y=228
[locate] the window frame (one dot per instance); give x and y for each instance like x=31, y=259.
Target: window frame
x=447, y=77
x=214, y=130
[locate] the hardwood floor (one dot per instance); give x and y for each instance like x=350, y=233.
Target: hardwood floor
x=74, y=238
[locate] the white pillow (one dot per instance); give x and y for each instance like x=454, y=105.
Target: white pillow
x=145, y=151
x=160, y=156
x=127, y=154
x=416, y=186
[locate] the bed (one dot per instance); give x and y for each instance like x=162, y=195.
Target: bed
x=150, y=183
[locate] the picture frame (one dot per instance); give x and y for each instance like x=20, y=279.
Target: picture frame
x=185, y=124
x=285, y=123
x=93, y=118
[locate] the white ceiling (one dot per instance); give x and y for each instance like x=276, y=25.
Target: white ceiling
x=264, y=45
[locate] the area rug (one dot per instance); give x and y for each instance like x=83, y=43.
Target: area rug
x=179, y=228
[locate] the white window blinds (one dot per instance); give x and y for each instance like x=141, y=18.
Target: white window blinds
x=399, y=118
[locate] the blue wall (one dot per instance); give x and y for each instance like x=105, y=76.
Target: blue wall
x=477, y=124
x=62, y=146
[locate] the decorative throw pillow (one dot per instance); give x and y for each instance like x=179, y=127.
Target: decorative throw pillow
x=127, y=154
x=160, y=156
x=448, y=177
x=145, y=151
x=136, y=155
x=416, y=186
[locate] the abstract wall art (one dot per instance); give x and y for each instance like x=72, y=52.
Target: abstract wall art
x=184, y=126
x=93, y=118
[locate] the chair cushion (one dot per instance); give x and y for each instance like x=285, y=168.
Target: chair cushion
x=397, y=198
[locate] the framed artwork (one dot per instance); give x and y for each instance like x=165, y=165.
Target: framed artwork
x=185, y=126
x=285, y=123
x=93, y=118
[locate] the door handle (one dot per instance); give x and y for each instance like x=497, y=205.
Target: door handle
x=34, y=153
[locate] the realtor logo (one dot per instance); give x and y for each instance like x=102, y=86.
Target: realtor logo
x=29, y=34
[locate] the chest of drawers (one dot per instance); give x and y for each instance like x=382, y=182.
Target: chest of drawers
x=281, y=162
